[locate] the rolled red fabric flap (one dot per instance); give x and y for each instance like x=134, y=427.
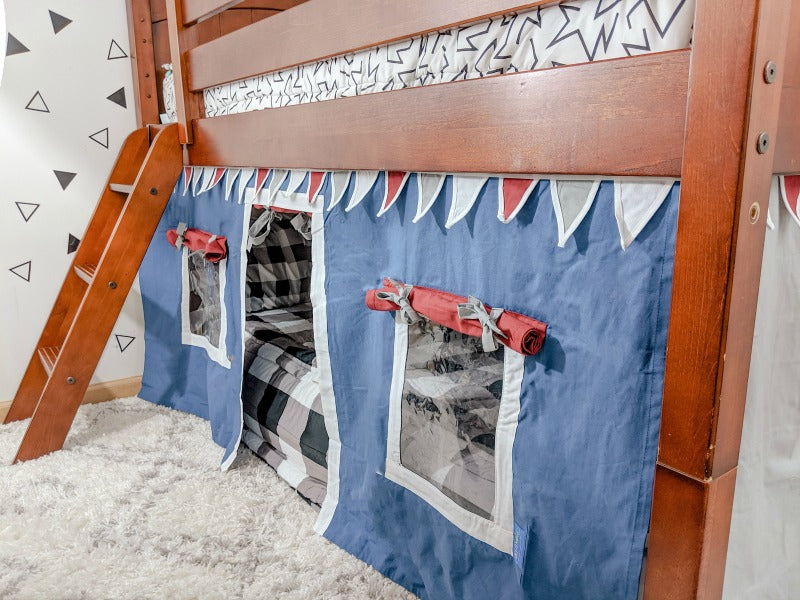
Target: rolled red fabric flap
x=214, y=250
x=524, y=334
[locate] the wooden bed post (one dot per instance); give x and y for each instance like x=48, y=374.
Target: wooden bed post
x=188, y=104
x=145, y=69
x=731, y=126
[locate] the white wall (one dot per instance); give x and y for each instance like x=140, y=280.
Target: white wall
x=71, y=71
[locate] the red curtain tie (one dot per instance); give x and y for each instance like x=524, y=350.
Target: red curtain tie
x=214, y=248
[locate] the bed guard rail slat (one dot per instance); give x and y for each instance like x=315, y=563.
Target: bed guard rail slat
x=321, y=28
x=616, y=117
x=194, y=10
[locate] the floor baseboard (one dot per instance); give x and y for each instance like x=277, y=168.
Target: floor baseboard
x=97, y=392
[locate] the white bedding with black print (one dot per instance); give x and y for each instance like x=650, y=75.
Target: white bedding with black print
x=564, y=33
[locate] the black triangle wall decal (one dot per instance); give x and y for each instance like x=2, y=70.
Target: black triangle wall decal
x=14, y=46
x=118, y=97
x=101, y=137
x=115, y=51
x=37, y=103
x=23, y=271
x=58, y=21
x=123, y=341
x=64, y=178
x=26, y=209
x=72, y=244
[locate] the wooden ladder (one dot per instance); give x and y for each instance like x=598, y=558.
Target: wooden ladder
x=95, y=288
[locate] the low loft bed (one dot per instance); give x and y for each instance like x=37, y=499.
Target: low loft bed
x=721, y=116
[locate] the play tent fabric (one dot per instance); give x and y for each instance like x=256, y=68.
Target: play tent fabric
x=585, y=444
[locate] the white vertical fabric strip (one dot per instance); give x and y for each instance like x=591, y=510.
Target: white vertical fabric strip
x=319, y=303
x=575, y=217
x=339, y=182
x=635, y=203
x=465, y=191
x=243, y=317
x=396, y=392
x=230, y=179
x=364, y=182
x=507, y=418
x=429, y=186
x=244, y=180
x=501, y=203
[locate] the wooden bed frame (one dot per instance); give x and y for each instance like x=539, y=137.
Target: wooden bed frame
x=725, y=115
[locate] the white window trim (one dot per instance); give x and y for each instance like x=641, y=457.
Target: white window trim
x=497, y=532
x=217, y=354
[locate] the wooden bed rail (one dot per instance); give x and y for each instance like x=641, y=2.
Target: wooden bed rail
x=549, y=121
x=322, y=28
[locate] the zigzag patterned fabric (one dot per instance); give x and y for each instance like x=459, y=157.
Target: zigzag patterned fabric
x=566, y=33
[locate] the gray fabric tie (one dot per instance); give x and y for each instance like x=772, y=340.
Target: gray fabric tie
x=408, y=314
x=181, y=231
x=259, y=230
x=302, y=225
x=474, y=309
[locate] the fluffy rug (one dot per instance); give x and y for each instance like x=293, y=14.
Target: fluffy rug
x=135, y=506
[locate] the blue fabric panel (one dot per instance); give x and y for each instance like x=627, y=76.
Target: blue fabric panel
x=183, y=376
x=585, y=449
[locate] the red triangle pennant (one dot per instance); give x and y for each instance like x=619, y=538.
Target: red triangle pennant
x=218, y=174
x=261, y=179
x=395, y=182
x=514, y=192
x=315, y=179
x=187, y=179
x=791, y=192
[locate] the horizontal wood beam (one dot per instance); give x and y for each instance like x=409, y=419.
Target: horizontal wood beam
x=319, y=29
x=564, y=120
x=194, y=10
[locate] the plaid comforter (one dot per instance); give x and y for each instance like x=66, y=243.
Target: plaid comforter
x=283, y=422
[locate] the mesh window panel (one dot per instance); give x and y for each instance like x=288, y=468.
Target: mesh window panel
x=451, y=399
x=205, y=310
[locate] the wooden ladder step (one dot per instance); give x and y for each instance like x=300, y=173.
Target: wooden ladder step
x=48, y=356
x=86, y=271
x=122, y=188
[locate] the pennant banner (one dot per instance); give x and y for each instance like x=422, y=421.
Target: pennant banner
x=187, y=178
x=315, y=181
x=244, y=179
x=364, y=182
x=395, y=182
x=512, y=195
x=339, y=181
x=635, y=203
x=572, y=199
x=261, y=179
x=278, y=177
x=230, y=179
x=465, y=191
x=296, y=179
x=429, y=186
x=790, y=192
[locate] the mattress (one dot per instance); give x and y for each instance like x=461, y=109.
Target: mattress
x=565, y=33
x=283, y=422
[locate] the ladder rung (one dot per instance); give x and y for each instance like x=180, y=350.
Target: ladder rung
x=86, y=271
x=48, y=356
x=122, y=188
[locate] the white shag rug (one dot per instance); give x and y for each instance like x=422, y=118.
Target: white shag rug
x=135, y=506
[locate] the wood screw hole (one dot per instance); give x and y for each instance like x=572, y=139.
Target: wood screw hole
x=770, y=72
x=153, y=191
x=70, y=380
x=755, y=212
x=762, y=144
x=112, y=285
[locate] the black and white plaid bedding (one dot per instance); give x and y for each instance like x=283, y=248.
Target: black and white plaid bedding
x=279, y=269
x=283, y=422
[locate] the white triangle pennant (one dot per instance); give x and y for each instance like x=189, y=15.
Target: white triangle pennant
x=230, y=179
x=197, y=177
x=364, y=182
x=572, y=199
x=208, y=180
x=244, y=178
x=429, y=186
x=340, y=181
x=296, y=179
x=278, y=177
x=635, y=203
x=465, y=191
